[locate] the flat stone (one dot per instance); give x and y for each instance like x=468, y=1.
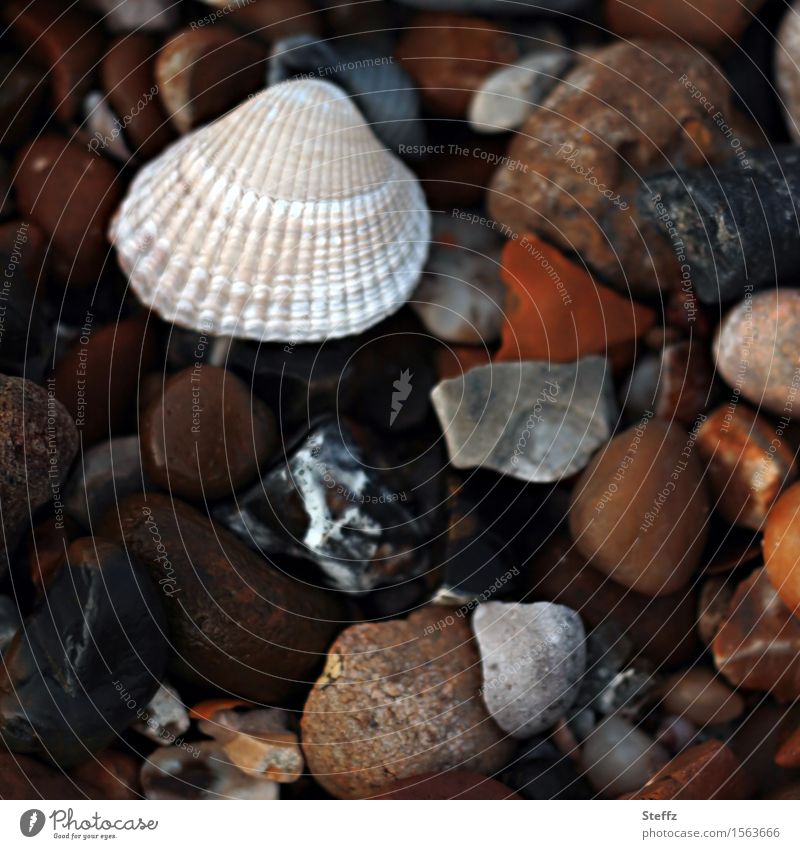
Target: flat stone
x=556, y=311
x=532, y=656
x=639, y=512
x=535, y=421
x=399, y=699
x=758, y=645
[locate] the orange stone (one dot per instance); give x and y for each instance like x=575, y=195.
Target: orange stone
x=556, y=311
x=782, y=547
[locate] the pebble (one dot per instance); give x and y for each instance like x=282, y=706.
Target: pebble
x=787, y=73
x=756, y=352
x=716, y=25
x=532, y=657
x=136, y=16
x=524, y=7
x=709, y=770
x=618, y=757
x=204, y=772
x=747, y=465
x=562, y=176
x=202, y=73
x=699, y=211
x=758, y=646
x=781, y=556
x=101, y=129
x=112, y=774
x=9, y=621
x=788, y=756
x=165, y=717
x=22, y=777
x=129, y=82
x=556, y=311
x=534, y=421
x=509, y=95
x=261, y=634
x=449, y=56
x=65, y=42
x=639, y=512
x=21, y=97
x=37, y=439
x=86, y=659
x=206, y=436
x=97, y=378
x=448, y=785
x=702, y=697
x=713, y=602
x=272, y=20
x=461, y=297
x=757, y=741
x=71, y=194
x=399, y=699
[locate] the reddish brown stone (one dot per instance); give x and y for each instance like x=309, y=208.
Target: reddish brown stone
x=448, y=785
x=449, y=56
x=71, y=194
x=787, y=793
x=702, y=697
x=758, y=645
x=660, y=628
x=757, y=740
x=556, y=311
x=206, y=436
x=22, y=777
x=714, y=24
x=30, y=242
x=756, y=350
x=782, y=547
x=712, y=606
x=271, y=20
x=65, y=41
x=747, y=465
x=573, y=171
x=115, y=775
x=129, y=83
x=398, y=699
x=47, y=550
x=455, y=360
x=202, y=73
x=707, y=771
x=98, y=376
x=788, y=756
x=639, y=511
x=21, y=95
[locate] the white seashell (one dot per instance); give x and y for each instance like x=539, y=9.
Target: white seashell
x=508, y=96
x=285, y=220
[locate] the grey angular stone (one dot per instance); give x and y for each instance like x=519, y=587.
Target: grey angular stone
x=535, y=421
x=533, y=656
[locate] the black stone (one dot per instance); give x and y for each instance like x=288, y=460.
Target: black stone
x=540, y=771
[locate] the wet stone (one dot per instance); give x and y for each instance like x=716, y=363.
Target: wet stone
x=639, y=512
x=781, y=555
x=398, y=699
x=756, y=350
x=206, y=435
x=532, y=656
x=86, y=659
x=37, y=438
x=534, y=421
x=337, y=501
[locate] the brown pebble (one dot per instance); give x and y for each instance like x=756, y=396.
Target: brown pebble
x=22, y=777
x=757, y=741
x=448, y=785
x=202, y=73
x=712, y=606
x=747, y=465
x=397, y=699
x=639, y=511
x=782, y=547
x=788, y=756
x=71, y=194
x=114, y=774
x=31, y=244
x=707, y=771
x=449, y=56
x=702, y=697
x=235, y=622
x=271, y=20
x=758, y=645
x=573, y=172
x=756, y=350
x=23, y=90
x=206, y=436
x=97, y=378
x=128, y=81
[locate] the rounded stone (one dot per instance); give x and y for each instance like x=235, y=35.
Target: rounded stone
x=639, y=511
x=71, y=193
x=702, y=697
x=532, y=656
x=206, y=435
x=399, y=699
x=756, y=350
x=747, y=464
x=782, y=547
x=448, y=785
x=787, y=68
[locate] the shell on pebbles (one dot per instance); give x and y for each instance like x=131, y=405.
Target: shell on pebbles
x=285, y=220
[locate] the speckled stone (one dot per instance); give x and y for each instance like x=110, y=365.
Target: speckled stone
x=398, y=699
x=38, y=442
x=532, y=656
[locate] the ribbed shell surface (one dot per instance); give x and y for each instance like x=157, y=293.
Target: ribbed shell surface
x=285, y=220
